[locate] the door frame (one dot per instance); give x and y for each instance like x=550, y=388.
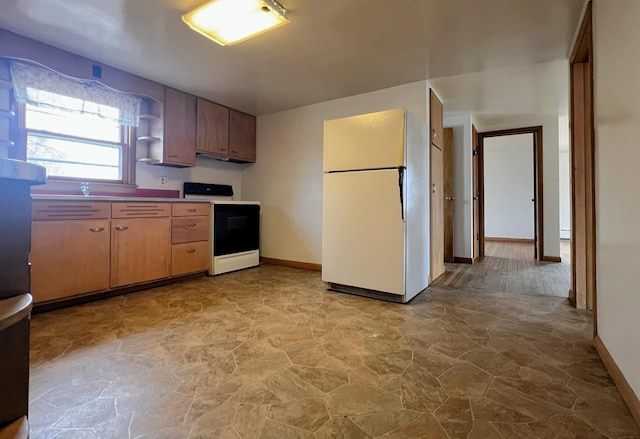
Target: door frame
x=582, y=159
x=475, y=152
x=537, y=185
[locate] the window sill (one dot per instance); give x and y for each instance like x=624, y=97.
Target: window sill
x=56, y=187
x=61, y=187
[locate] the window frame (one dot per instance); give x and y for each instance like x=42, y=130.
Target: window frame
x=127, y=145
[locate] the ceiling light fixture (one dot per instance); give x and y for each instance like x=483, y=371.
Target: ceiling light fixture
x=229, y=22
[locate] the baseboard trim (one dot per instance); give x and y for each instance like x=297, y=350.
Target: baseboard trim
x=517, y=240
x=628, y=395
x=458, y=260
x=294, y=264
x=551, y=259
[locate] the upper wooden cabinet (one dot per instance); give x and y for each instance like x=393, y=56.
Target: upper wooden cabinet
x=179, y=129
x=436, y=130
x=242, y=136
x=212, y=128
x=194, y=125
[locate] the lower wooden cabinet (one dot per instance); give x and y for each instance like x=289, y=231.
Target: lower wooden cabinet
x=190, y=251
x=139, y=250
x=75, y=256
x=190, y=257
x=68, y=258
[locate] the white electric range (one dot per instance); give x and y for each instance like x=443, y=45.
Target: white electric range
x=235, y=227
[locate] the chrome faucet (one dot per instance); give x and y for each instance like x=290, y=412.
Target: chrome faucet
x=84, y=187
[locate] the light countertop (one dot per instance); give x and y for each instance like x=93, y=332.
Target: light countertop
x=111, y=198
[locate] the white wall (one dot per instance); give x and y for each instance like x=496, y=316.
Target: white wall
x=565, y=195
x=287, y=177
x=508, y=187
x=463, y=185
x=617, y=127
x=550, y=177
x=207, y=170
x=564, y=182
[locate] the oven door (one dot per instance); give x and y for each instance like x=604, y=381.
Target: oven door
x=236, y=228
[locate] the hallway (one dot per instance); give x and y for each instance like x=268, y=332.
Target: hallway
x=510, y=267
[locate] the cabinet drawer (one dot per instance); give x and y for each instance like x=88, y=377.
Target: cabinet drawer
x=140, y=210
x=60, y=210
x=190, y=257
x=191, y=209
x=189, y=229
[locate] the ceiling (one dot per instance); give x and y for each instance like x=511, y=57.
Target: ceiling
x=330, y=49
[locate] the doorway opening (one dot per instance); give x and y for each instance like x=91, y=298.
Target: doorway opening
x=507, y=209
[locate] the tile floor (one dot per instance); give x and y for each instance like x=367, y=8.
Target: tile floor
x=269, y=353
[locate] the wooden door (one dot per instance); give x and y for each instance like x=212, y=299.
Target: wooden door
x=140, y=250
x=179, y=128
x=449, y=194
x=212, y=128
x=475, y=153
x=437, y=213
x=69, y=258
x=242, y=136
x=436, y=116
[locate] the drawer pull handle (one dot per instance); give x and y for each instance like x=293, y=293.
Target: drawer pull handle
x=191, y=250
x=96, y=229
x=191, y=210
x=191, y=224
x=121, y=228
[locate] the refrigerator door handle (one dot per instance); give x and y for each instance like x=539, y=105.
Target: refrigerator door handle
x=401, y=186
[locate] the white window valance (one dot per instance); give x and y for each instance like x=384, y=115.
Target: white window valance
x=42, y=87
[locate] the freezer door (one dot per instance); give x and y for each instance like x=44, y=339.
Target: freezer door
x=363, y=232
x=368, y=141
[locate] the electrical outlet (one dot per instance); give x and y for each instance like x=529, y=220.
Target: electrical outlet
x=164, y=181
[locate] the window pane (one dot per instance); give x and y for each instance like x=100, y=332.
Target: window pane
x=74, y=158
x=72, y=124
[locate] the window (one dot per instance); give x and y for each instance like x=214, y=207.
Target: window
x=77, y=129
x=75, y=145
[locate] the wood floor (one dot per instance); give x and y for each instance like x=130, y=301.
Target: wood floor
x=511, y=267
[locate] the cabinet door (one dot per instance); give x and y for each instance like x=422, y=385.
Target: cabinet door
x=212, y=129
x=140, y=250
x=242, y=136
x=436, y=112
x=179, y=128
x=437, y=214
x=69, y=258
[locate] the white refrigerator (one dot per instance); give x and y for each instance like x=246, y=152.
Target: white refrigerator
x=375, y=210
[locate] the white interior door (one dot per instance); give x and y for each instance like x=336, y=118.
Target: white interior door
x=363, y=230
x=368, y=141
